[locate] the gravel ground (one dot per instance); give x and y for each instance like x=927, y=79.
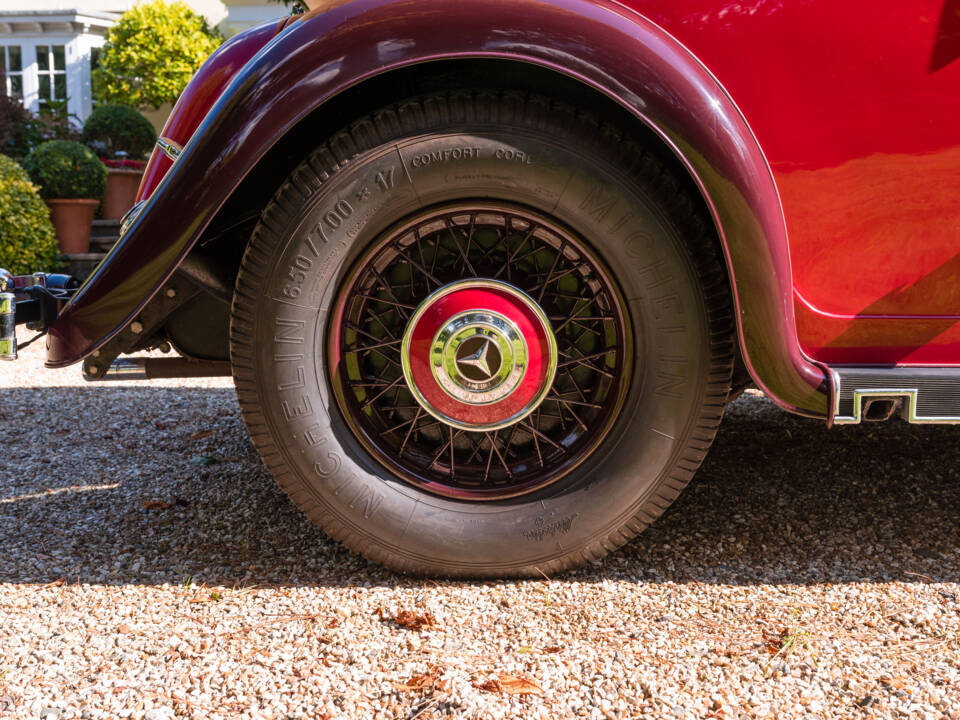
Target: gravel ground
x=150, y=568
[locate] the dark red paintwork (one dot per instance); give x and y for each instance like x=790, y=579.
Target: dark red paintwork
x=854, y=106
x=203, y=91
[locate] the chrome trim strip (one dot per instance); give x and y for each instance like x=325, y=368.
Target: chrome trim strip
x=910, y=395
x=169, y=148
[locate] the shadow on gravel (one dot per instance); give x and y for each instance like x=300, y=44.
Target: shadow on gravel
x=106, y=485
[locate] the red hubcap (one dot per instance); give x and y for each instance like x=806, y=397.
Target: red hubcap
x=479, y=355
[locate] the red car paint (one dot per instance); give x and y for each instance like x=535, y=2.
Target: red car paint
x=856, y=106
x=852, y=108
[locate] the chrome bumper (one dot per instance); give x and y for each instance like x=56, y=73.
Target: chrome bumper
x=31, y=300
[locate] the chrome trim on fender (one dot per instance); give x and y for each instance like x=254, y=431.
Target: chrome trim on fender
x=169, y=148
x=930, y=395
x=130, y=216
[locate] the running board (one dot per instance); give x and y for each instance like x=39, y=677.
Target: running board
x=922, y=394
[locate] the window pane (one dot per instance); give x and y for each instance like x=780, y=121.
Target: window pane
x=16, y=86
x=44, y=87
x=43, y=57
x=60, y=86
x=15, y=62
x=3, y=60
x=59, y=59
x=94, y=58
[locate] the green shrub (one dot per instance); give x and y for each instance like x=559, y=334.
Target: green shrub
x=27, y=241
x=115, y=128
x=65, y=169
x=151, y=54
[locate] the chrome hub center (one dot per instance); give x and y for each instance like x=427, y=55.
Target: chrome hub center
x=479, y=357
x=479, y=354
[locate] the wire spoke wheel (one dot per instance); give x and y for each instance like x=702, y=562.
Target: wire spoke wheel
x=479, y=276
x=483, y=334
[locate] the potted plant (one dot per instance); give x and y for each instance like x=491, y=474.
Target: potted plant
x=123, y=138
x=71, y=180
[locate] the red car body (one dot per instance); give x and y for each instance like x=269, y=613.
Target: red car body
x=823, y=138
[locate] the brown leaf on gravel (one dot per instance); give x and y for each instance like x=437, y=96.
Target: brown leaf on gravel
x=510, y=685
x=409, y=620
x=773, y=643
x=553, y=649
x=200, y=435
x=423, y=683
x=156, y=505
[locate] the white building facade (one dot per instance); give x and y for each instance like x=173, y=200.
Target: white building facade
x=49, y=47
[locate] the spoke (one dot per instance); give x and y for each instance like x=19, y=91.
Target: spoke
x=503, y=462
x=426, y=273
x=453, y=473
x=377, y=396
x=453, y=234
x=372, y=383
x=567, y=401
x=403, y=424
x=356, y=328
x=364, y=348
x=536, y=445
x=379, y=319
x=586, y=357
x=386, y=286
x=537, y=434
x=396, y=303
x=583, y=361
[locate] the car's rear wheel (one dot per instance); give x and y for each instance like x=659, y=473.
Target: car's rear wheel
x=482, y=335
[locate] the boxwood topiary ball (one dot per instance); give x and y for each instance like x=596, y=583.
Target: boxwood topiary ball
x=66, y=169
x=117, y=128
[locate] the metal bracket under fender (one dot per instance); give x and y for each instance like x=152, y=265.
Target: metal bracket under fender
x=621, y=54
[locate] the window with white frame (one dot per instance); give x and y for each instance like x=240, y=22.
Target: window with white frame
x=51, y=73
x=11, y=70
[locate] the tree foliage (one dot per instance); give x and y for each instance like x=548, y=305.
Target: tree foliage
x=151, y=54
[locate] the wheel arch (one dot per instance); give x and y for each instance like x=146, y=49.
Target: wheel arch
x=632, y=63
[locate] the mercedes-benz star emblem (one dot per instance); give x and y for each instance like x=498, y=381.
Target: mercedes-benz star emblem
x=478, y=359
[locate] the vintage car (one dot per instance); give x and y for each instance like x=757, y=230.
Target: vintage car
x=486, y=273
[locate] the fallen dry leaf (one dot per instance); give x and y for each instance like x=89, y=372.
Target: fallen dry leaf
x=156, y=505
x=414, y=621
x=510, y=685
x=553, y=649
x=426, y=682
x=200, y=435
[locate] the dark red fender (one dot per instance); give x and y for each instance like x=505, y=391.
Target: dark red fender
x=599, y=42
x=856, y=105
x=203, y=91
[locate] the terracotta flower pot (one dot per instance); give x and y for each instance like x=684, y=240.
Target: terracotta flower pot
x=72, y=219
x=122, y=186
